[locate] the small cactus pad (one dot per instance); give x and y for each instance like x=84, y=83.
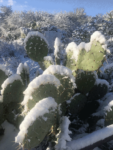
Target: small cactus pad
x=41, y=87
x=76, y=103
x=36, y=46
x=47, y=61
x=93, y=59
x=85, y=80
x=12, y=112
x=99, y=90
x=37, y=123
x=12, y=89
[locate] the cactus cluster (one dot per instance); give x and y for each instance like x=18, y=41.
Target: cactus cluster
x=63, y=89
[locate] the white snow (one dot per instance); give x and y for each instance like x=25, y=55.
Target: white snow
x=62, y=70
x=10, y=80
x=63, y=135
x=41, y=108
x=7, y=140
x=33, y=85
x=91, y=138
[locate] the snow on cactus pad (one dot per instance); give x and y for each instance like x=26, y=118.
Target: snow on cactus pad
x=12, y=89
x=37, y=123
x=41, y=87
x=67, y=80
x=36, y=46
x=91, y=55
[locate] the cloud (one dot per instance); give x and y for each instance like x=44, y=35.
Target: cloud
x=1, y=1
x=10, y=2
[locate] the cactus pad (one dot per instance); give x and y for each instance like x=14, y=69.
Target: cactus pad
x=85, y=80
x=36, y=46
x=99, y=90
x=77, y=102
x=93, y=59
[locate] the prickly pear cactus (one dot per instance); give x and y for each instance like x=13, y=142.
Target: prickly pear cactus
x=67, y=80
x=85, y=80
x=37, y=123
x=99, y=90
x=47, y=61
x=76, y=103
x=12, y=89
x=41, y=87
x=13, y=114
x=36, y=46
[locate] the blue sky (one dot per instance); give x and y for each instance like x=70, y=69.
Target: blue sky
x=92, y=7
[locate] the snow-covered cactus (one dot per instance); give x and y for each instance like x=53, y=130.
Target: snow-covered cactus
x=37, y=123
x=47, y=61
x=85, y=80
x=67, y=80
x=92, y=55
x=36, y=46
x=12, y=90
x=41, y=87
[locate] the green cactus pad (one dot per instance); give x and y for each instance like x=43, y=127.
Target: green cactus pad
x=38, y=131
x=12, y=113
x=67, y=80
x=93, y=59
x=76, y=103
x=37, y=123
x=65, y=91
x=36, y=46
x=43, y=86
x=43, y=91
x=13, y=92
x=47, y=61
x=85, y=80
x=99, y=90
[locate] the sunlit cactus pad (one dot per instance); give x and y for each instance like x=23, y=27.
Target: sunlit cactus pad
x=93, y=59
